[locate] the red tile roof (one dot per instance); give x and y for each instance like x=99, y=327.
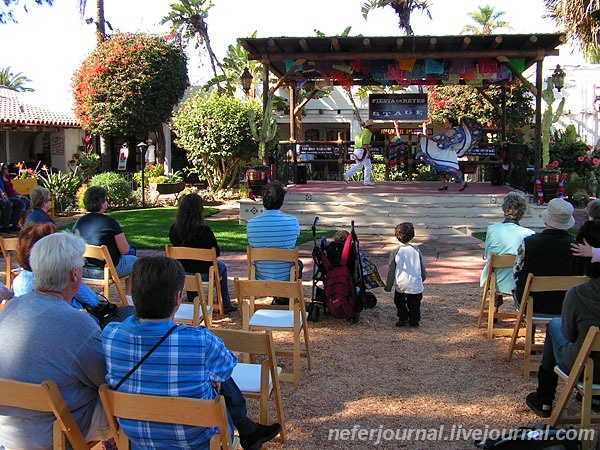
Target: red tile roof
x=13, y=111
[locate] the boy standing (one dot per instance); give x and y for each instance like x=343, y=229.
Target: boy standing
x=406, y=274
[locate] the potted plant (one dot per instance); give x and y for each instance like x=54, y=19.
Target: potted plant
x=166, y=184
x=26, y=179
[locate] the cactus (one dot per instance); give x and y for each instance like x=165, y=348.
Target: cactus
x=548, y=118
x=268, y=127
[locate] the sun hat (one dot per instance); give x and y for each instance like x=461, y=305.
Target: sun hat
x=368, y=123
x=559, y=214
x=149, y=141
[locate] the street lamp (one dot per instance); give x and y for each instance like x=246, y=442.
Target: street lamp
x=142, y=146
x=246, y=79
x=558, y=78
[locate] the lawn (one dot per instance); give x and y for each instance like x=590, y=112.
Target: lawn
x=149, y=229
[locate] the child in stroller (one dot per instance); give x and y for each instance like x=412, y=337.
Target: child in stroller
x=328, y=256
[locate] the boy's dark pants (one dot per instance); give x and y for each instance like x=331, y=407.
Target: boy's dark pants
x=408, y=307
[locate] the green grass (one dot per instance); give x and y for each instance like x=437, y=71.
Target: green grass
x=149, y=229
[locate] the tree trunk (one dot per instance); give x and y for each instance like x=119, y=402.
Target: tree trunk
x=100, y=22
x=104, y=155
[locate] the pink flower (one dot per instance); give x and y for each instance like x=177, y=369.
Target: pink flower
x=555, y=163
x=596, y=161
x=580, y=158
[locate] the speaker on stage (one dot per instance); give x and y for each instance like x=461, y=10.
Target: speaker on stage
x=301, y=174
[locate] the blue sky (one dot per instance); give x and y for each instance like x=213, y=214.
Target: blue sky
x=49, y=43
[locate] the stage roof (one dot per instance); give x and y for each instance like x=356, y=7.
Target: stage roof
x=401, y=60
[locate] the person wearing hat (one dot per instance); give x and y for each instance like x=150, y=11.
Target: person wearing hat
x=150, y=152
x=41, y=204
x=547, y=254
x=362, y=154
x=565, y=334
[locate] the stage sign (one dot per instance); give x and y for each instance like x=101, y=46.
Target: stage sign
x=398, y=107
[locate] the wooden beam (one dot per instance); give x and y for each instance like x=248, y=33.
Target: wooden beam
x=273, y=46
x=432, y=43
x=490, y=100
x=526, y=83
x=367, y=43
x=529, y=42
x=399, y=43
x=304, y=44
x=496, y=42
x=335, y=43
x=286, y=75
x=302, y=104
x=465, y=43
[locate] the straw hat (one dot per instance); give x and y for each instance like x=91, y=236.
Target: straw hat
x=369, y=123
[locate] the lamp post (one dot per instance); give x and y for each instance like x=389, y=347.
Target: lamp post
x=142, y=146
x=558, y=78
x=246, y=79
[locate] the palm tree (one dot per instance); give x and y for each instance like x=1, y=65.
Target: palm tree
x=99, y=20
x=14, y=81
x=403, y=9
x=188, y=19
x=6, y=12
x=487, y=20
x=576, y=18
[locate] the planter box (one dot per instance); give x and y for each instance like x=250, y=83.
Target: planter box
x=24, y=186
x=167, y=188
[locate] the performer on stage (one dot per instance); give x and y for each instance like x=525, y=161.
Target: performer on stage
x=443, y=157
x=362, y=153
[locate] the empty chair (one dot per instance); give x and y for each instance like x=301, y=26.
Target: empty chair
x=197, y=312
x=8, y=246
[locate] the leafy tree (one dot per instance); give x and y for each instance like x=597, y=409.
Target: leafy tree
x=486, y=19
x=129, y=84
x=403, y=9
x=574, y=16
x=458, y=101
x=6, y=11
x=214, y=130
x=188, y=19
x=14, y=81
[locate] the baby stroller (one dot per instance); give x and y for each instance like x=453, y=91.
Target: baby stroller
x=327, y=284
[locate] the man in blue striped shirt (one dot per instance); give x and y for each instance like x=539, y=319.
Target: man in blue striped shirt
x=190, y=362
x=273, y=228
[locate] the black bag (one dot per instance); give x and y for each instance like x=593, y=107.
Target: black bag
x=105, y=312
x=538, y=437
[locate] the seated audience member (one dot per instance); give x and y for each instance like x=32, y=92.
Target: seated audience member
x=546, y=254
x=583, y=248
x=565, y=334
x=96, y=228
x=273, y=228
x=44, y=338
x=190, y=362
x=11, y=211
x=504, y=239
x=19, y=201
x=23, y=282
x=190, y=230
x=41, y=203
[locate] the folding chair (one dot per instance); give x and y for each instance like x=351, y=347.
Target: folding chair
x=44, y=398
x=214, y=279
x=197, y=312
x=526, y=314
x=171, y=410
x=272, y=254
x=257, y=381
x=489, y=296
x=8, y=245
x=584, y=365
x=110, y=275
x=290, y=318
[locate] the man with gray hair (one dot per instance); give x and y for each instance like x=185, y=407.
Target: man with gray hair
x=45, y=338
x=504, y=239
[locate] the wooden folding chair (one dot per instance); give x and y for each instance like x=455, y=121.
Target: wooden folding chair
x=197, y=312
x=9, y=245
x=110, y=275
x=214, y=279
x=257, y=381
x=44, y=398
x=584, y=365
x=255, y=254
x=290, y=318
x=526, y=314
x=172, y=410
x=489, y=296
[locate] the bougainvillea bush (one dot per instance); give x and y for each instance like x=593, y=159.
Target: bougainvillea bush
x=214, y=131
x=129, y=84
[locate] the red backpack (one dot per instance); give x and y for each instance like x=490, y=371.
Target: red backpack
x=340, y=292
